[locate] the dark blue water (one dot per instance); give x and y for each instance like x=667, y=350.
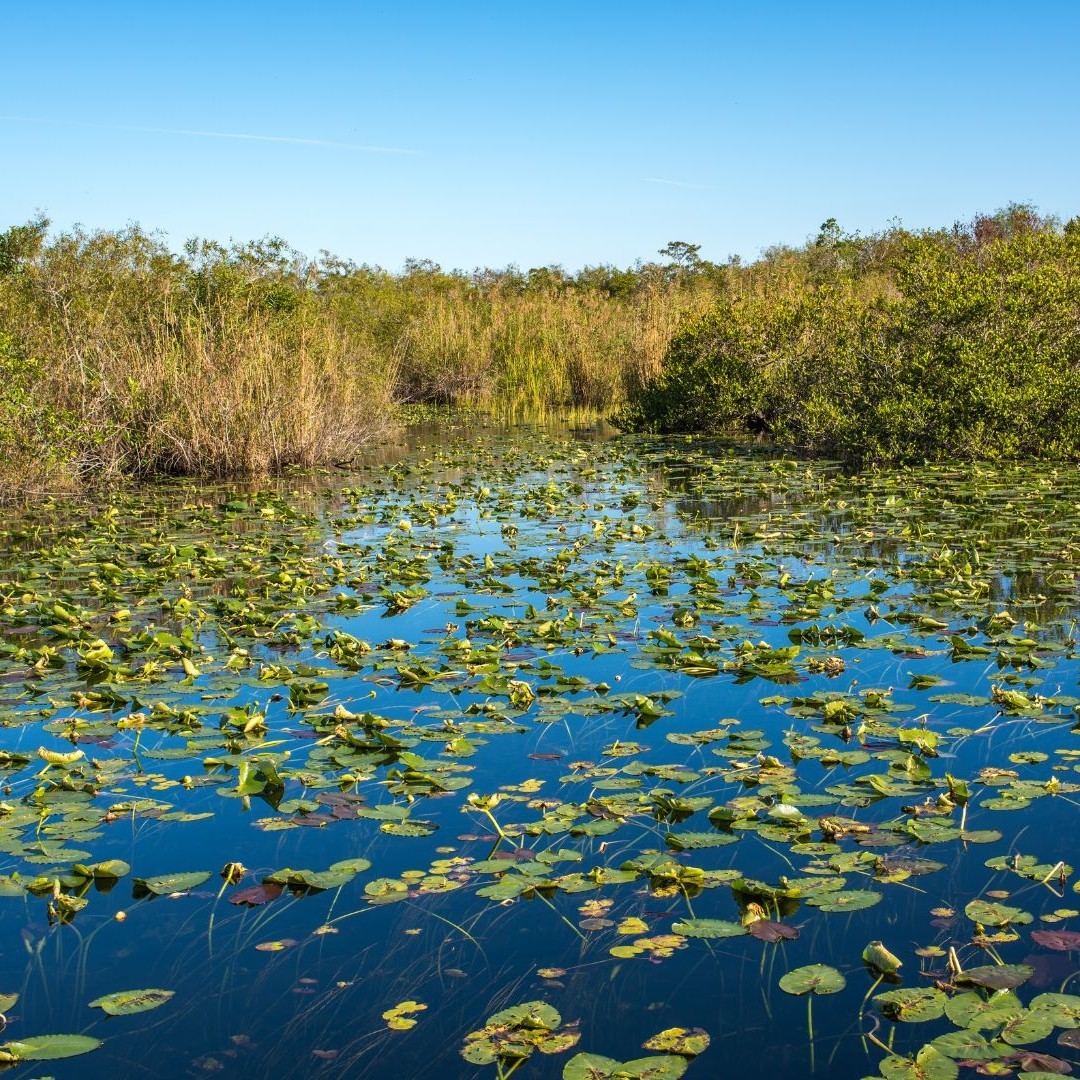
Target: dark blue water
x=574, y=529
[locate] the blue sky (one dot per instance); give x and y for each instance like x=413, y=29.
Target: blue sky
x=486, y=134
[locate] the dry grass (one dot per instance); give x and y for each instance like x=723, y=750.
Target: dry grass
x=134, y=361
x=538, y=350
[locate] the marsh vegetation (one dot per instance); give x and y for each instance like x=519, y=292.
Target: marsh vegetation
x=122, y=358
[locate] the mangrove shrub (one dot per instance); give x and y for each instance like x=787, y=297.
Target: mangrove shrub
x=957, y=344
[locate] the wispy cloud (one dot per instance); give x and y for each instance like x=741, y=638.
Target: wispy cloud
x=677, y=183
x=278, y=139
x=240, y=135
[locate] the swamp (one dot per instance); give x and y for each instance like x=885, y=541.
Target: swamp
x=536, y=750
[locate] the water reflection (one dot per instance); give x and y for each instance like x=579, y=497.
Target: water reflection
x=602, y=630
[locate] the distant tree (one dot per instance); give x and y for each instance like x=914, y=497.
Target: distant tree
x=21, y=243
x=829, y=235
x=546, y=278
x=421, y=266
x=683, y=255
x=609, y=280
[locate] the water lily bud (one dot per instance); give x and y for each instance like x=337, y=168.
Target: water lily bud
x=879, y=958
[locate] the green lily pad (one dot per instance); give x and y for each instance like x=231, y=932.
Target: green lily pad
x=996, y=977
x=169, y=883
x=972, y=1010
x=913, y=1005
x=589, y=1067
x=48, y=1047
x=995, y=914
x=927, y=1064
x=961, y=1045
x=845, y=900
x=125, y=1002
x=687, y=1042
x=708, y=928
x=596, y=1067
x=1027, y=1027
x=1063, y=1009
x=813, y=979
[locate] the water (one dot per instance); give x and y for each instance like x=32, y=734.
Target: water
x=618, y=596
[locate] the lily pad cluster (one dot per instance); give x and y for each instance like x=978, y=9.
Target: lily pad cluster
x=734, y=699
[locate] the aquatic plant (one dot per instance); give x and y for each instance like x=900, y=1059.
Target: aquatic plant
x=600, y=758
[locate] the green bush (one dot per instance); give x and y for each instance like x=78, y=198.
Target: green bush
x=944, y=345
x=37, y=443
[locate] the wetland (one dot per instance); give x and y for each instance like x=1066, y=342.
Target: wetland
x=536, y=750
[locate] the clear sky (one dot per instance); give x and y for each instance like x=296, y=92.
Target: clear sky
x=563, y=132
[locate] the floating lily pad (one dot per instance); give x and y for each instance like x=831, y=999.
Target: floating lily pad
x=169, y=883
x=963, y=1045
x=813, y=979
x=927, y=1064
x=845, y=900
x=996, y=914
x=912, y=1005
x=972, y=1010
x=48, y=1047
x=596, y=1067
x=125, y=1002
x=688, y=1042
x=1059, y=940
x=996, y=977
x=708, y=928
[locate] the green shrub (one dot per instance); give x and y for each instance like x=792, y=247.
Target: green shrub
x=37, y=442
x=951, y=346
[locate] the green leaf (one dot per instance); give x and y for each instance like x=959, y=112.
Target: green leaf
x=972, y=1010
x=692, y=841
x=968, y=1044
x=878, y=957
x=50, y=1047
x=125, y=1002
x=913, y=1005
x=813, y=979
x=687, y=1042
x=928, y=1064
x=651, y=1068
x=1028, y=1027
x=589, y=1067
x=847, y=900
x=708, y=928
x=596, y=1067
x=993, y=914
x=532, y=1014
x=169, y=883
x=1063, y=1009
x=996, y=976
x=110, y=868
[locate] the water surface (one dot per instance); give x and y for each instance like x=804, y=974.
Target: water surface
x=507, y=700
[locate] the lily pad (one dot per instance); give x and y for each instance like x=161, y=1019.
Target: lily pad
x=912, y=1005
x=167, y=884
x=708, y=928
x=125, y=1002
x=813, y=979
x=596, y=1067
x=687, y=1042
x=927, y=1064
x=48, y=1047
x=1059, y=940
x=996, y=977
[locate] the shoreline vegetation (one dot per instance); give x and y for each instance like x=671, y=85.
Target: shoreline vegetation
x=120, y=358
